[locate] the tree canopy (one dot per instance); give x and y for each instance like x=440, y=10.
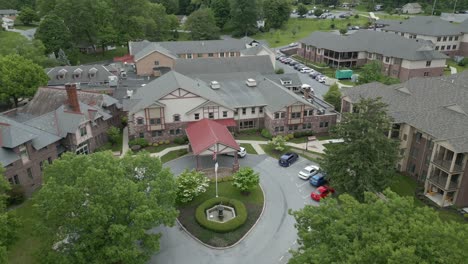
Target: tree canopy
x=221, y=10
x=55, y=35
x=202, y=25
x=28, y=16
x=244, y=17
x=390, y=230
x=302, y=9
x=276, y=13
x=372, y=72
x=333, y=96
x=98, y=209
x=14, y=43
x=8, y=223
x=366, y=159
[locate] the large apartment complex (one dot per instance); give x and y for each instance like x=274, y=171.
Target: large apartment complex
x=401, y=57
x=430, y=121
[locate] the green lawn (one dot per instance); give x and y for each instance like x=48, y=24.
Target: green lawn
x=327, y=137
x=159, y=148
x=253, y=204
x=459, y=68
x=303, y=27
x=108, y=55
x=248, y=147
x=173, y=155
x=23, y=27
x=250, y=136
x=270, y=151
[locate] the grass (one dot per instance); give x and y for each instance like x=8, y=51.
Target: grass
x=173, y=155
x=250, y=135
x=459, y=68
x=270, y=151
x=23, y=27
x=248, y=147
x=303, y=27
x=327, y=137
x=108, y=55
x=159, y=148
x=347, y=82
x=253, y=203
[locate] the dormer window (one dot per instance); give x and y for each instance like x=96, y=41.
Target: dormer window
x=92, y=72
x=61, y=74
x=77, y=73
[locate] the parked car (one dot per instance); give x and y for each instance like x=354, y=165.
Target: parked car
x=318, y=179
x=241, y=153
x=306, y=70
x=314, y=74
x=308, y=172
x=287, y=159
x=321, y=192
x=294, y=44
x=320, y=78
x=292, y=63
x=299, y=66
x=286, y=61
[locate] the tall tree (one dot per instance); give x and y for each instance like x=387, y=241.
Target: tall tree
x=244, y=17
x=276, y=13
x=98, y=209
x=221, y=10
x=301, y=10
x=172, y=6
x=8, y=223
x=372, y=72
x=390, y=230
x=28, y=16
x=14, y=43
x=333, y=96
x=55, y=35
x=366, y=159
x=202, y=25
x=20, y=77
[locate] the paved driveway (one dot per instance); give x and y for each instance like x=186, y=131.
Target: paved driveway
x=269, y=241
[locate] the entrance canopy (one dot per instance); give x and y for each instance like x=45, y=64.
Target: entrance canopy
x=210, y=137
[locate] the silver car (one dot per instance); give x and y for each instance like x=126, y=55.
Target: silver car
x=308, y=172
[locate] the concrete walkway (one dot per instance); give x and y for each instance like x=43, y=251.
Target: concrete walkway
x=165, y=151
x=453, y=70
x=125, y=146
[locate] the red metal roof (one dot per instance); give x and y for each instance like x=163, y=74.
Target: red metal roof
x=229, y=122
x=126, y=58
x=206, y=133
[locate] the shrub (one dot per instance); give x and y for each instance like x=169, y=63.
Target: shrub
x=278, y=143
x=303, y=133
x=155, y=144
x=246, y=179
x=463, y=62
x=161, y=142
x=15, y=195
x=332, y=26
x=180, y=140
x=231, y=225
x=167, y=142
x=190, y=184
x=253, y=131
x=114, y=134
x=138, y=142
x=290, y=136
x=279, y=71
x=356, y=16
x=266, y=133
x=124, y=121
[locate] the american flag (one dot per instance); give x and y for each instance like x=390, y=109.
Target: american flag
x=214, y=155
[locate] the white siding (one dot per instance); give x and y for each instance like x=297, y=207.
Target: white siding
x=422, y=64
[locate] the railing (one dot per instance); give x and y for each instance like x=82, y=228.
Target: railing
x=446, y=164
x=441, y=182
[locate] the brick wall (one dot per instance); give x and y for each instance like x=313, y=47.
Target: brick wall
x=419, y=153
x=463, y=50
x=462, y=197
x=315, y=121
x=406, y=74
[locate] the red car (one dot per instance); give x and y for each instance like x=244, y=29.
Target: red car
x=321, y=192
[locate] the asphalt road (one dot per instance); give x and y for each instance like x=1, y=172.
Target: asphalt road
x=274, y=235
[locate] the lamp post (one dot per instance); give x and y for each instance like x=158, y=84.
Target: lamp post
x=216, y=177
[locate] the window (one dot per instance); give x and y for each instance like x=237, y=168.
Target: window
x=456, y=37
x=418, y=137
x=141, y=135
x=189, y=56
x=10, y=180
x=29, y=171
x=323, y=124
x=244, y=111
x=82, y=148
x=279, y=115
x=253, y=110
x=369, y=55
x=199, y=55
x=140, y=121
x=172, y=131
x=260, y=110
x=442, y=48
x=279, y=129
x=450, y=38
x=176, y=118
x=293, y=127
x=309, y=112
x=178, y=131
x=306, y=125
x=210, y=54
x=412, y=168
x=426, y=74
x=155, y=121
x=236, y=112
x=437, y=48
x=448, y=47
x=387, y=59
x=402, y=34
x=438, y=39
x=414, y=152
x=225, y=114
x=16, y=179
x=221, y=54
x=247, y=124
x=41, y=165
x=232, y=54
x=196, y=116
x=156, y=63
x=156, y=133
x=296, y=115
x=428, y=63
x=24, y=153
x=445, y=38
x=83, y=131
x=405, y=137
x=49, y=160
x=454, y=47
x=211, y=115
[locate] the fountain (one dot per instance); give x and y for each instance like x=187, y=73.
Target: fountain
x=220, y=213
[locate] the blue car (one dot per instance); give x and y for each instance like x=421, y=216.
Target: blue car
x=287, y=159
x=318, y=179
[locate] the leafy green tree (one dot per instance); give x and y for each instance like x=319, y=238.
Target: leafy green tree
x=8, y=222
x=302, y=9
x=202, y=25
x=276, y=12
x=221, y=10
x=55, y=35
x=20, y=77
x=172, y=6
x=28, y=16
x=389, y=230
x=343, y=31
x=318, y=12
x=278, y=143
x=372, y=72
x=14, y=43
x=114, y=134
x=246, y=179
x=191, y=184
x=244, y=17
x=366, y=159
x=333, y=96
x=98, y=209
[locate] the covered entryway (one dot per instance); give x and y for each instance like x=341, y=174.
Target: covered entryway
x=211, y=138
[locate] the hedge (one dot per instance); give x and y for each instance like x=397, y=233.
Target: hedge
x=231, y=225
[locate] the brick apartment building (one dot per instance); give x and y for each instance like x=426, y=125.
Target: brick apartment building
x=401, y=58
x=430, y=121
x=54, y=121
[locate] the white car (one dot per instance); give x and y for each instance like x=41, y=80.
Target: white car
x=308, y=172
x=242, y=153
x=306, y=70
x=293, y=44
x=320, y=79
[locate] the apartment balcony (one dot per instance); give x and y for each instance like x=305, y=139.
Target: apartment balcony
x=439, y=199
x=441, y=182
x=446, y=164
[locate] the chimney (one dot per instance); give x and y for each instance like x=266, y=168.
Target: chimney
x=72, y=97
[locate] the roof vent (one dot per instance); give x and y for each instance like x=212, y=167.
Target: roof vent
x=251, y=82
x=215, y=85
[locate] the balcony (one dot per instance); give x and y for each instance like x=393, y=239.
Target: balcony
x=445, y=165
x=441, y=182
x=438, y=199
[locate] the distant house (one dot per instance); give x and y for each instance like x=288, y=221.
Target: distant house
x=411, y=8
x=7, y=23
x=83, y=75
x=8, y=13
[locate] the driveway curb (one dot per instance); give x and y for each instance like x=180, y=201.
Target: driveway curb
x=240, y=240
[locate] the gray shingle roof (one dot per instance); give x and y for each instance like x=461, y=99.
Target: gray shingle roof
x=426, y=25
x=391, y=45
x=260, y=64
x=293, y=77
x=437, y=106
x=8, y=11
x=101, y=75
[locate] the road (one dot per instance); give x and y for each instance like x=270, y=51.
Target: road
x=274, y=235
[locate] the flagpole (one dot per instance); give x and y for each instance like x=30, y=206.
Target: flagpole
x=216, y=176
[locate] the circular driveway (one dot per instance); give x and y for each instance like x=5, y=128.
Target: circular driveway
x=273, y=236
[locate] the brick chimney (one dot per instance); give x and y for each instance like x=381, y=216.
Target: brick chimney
x=72, y=97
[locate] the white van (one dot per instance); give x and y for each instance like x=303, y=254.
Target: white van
x=242, y=153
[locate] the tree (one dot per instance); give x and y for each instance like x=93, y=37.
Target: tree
x=98, y=209
x=20, y=77
x=27, y=16
x=62, y=58
x=343, y=31
x=276, y=13
x=278, y=143
x=302, y=10
x=246, y=179
x=114, y=134
x=366, y=159
x=202, y=25
x=318, y=12
x=221, y=10
x=55, y=35
x=172, y=6
x=372, y=72
x=14, y=43
x=389, y=230
x=8, y=222
x=333, y=96
x=190, y=184
x=244, y=17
